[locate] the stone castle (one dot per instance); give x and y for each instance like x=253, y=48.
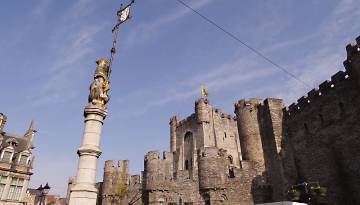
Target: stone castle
x=258, y=154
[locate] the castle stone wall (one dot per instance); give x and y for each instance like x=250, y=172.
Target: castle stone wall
x=323, y=129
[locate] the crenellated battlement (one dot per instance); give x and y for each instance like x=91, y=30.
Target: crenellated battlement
x=339, y=79
x=315, y=95
x=174, y=120
x=251, y=104
x=152, y=155
x=187, y=120
x=158, y=172
x=211, y=152
x=222, y=115
x=135, y=179
x=352, y=50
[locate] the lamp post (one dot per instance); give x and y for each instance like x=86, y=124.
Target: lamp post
x=42, y=191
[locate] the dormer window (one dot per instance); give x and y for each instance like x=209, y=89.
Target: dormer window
x=12, y=142
x=6, y=156
x=23, y=159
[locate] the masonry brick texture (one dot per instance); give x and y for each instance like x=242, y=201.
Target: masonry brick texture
x=258, y=154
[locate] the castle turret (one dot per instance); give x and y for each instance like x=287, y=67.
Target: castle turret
x=247, y=114
x=203, y=110
x=151, y=168
x=109, y=172
x=352, y=63
x=158, y=172
x=212, y=168
x=173, y=123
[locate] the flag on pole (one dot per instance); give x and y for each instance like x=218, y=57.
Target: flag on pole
x=124, y=14
x=204, y=93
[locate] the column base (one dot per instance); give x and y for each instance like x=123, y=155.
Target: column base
x=82, y=194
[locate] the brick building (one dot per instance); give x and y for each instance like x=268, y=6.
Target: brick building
x=256, y=155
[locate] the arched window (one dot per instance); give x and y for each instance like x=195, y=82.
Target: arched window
x=188, y=137
x=23, y=158
x=7, y=154
x=188, y=147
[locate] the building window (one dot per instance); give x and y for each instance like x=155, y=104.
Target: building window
x=23, y=159
x=6, y=156
x=15, y=188
x=186, y=164
x=230, y=159
x=231, y=173
x=2, y=184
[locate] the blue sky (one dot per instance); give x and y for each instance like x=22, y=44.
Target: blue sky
x=48, y=51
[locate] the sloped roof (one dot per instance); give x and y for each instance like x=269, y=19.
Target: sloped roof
x=21, y=143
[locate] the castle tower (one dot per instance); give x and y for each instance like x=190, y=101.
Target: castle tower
x=247, y=114
x=203, y=110
x=173, y=123
x=115, y=182
x=109, y=172
x=204, y=114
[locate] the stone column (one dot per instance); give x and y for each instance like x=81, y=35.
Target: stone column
x=84, y=190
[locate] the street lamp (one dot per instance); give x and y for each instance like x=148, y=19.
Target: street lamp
x=42, y=191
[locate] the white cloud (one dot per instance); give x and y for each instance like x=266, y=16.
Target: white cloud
x=314, y=68
x=70, y=49
x=318, y=65
x=148, y=30
x=238, y=73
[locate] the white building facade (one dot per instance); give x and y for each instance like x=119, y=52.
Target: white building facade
x=15, y=164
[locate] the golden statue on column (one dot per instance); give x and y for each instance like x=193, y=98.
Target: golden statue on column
x=100, y=86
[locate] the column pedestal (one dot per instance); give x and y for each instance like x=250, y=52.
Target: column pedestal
x=84, y=190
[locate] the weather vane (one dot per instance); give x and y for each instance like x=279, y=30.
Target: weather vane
x=123, y=15
x=101, y=85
